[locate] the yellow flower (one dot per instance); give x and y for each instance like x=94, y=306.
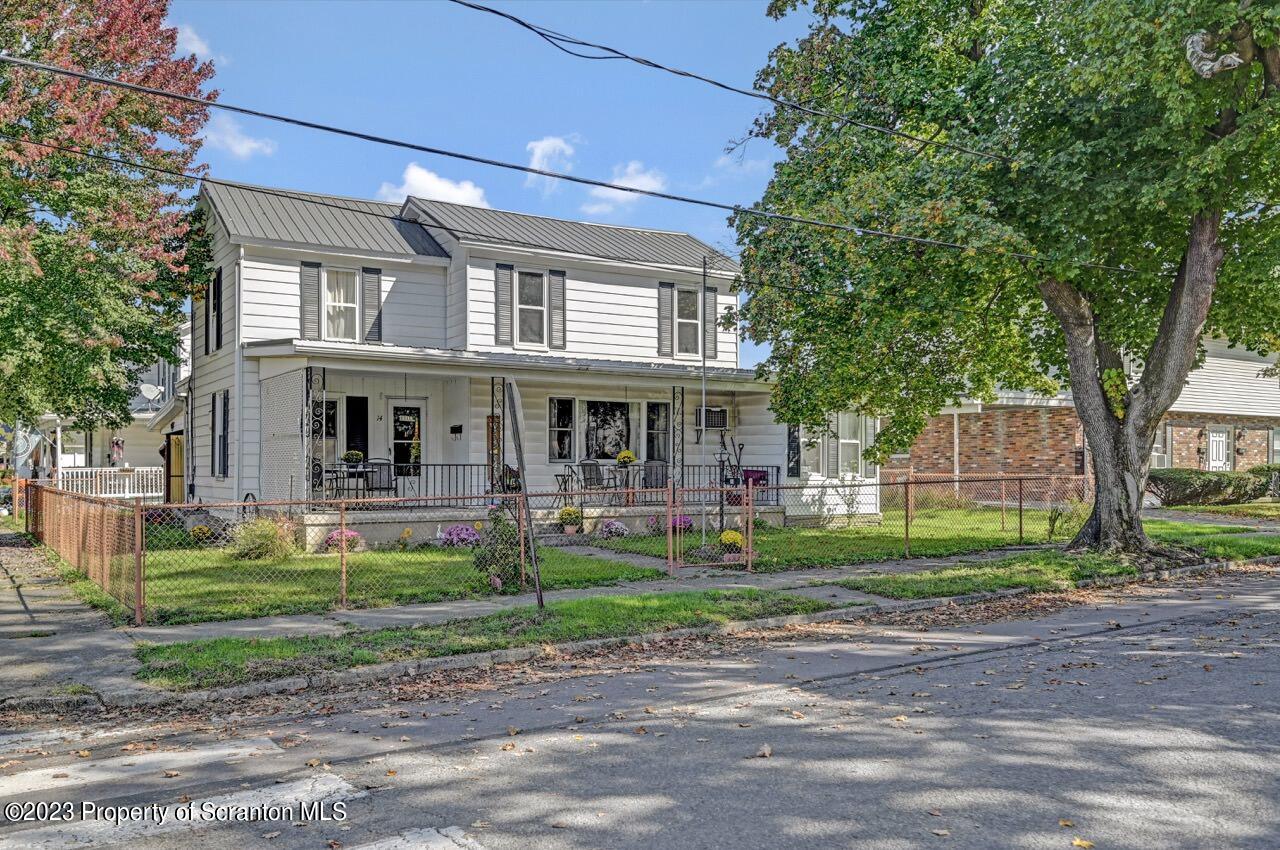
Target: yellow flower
x=406, y=534
x=731, y=539
x=479, y=526
x=626, y=456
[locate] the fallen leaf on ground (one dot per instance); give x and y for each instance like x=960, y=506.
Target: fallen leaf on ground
x=1063, y=822
x=1081, y=842
x=170, y=774
x=513, y=730
x=508, y=746
x=941, y=832
x=764, y=752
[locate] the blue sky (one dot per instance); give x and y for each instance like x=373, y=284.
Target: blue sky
x=443, y=75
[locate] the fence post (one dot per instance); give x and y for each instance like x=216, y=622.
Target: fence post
x=520, y=514
x=342, y=553
x=139, y=585
x=906, y=512
x=671, y=549
x=1003, y=499
x=750, y=524
x=1020, y=511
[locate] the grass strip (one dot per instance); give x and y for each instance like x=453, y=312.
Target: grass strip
x=1047, y=570
x=230, y=661
x=1251, y=510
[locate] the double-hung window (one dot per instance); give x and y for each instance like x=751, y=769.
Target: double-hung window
x=560, y=430
x=1160, y=449
x=688, y=324
x=341, y=304
x=531, y=308
x=849, y=434
x=657, y=431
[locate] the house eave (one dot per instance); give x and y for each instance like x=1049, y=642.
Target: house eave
x=310, y=248
x=655, y=267
x=490, y=362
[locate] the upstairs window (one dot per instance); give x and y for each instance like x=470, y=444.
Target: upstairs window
x=688, y=325
x=531, y=308
x=341, y=307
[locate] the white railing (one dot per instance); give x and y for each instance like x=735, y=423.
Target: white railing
x=112, y=482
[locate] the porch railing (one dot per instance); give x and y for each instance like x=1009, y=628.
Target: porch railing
x=110, y=482
x=376, y=479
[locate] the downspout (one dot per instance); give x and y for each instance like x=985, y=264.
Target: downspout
x=238, y=492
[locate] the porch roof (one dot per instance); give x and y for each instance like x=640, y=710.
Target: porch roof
x=488, y=362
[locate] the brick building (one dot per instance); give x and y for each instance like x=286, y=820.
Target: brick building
x=1227, y=418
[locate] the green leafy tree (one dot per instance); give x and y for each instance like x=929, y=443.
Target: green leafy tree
x=1111, y=167
x=96, y=260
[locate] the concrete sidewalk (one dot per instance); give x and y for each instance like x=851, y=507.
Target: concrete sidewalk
x=800, y=582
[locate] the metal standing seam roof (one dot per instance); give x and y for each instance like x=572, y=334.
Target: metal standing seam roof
x=314, y=219
x=468, y=223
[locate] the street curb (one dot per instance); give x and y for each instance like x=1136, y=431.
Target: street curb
x=149, y=697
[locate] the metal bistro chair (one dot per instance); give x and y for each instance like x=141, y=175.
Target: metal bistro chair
x=592, y=477
x=380, y=478
x=655, y=475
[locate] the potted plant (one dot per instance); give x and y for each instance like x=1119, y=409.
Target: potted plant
x=731, y=542
x=570, y=519
x=353, y=457
x=626, y=457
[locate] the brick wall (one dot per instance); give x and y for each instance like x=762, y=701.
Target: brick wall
x=1250, y=437
x=1006, y=440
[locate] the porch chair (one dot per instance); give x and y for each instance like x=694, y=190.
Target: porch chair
x=380, y=478
x=654, y=476
x=592, y=476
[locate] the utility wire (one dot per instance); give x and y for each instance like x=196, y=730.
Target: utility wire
x=559, y=40
x=526, y=169
x=319, y=202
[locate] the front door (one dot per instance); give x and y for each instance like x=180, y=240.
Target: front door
x=1219, y=450
x=408, y=425
x=175, y=464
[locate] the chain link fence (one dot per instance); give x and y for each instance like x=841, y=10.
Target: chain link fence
x=196, y=562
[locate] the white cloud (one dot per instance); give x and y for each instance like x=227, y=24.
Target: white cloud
x=189, y=41
x=550, y=153
x=424, y=183
x=224, y=132
x=727, y=167
x=633, y=174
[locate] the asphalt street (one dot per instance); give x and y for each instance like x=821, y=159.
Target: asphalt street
x=1140, y=719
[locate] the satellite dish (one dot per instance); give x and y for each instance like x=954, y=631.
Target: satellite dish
x=24, y=443
x=151, y=392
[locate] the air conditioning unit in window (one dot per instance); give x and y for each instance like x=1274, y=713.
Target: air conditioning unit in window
x=711, y=419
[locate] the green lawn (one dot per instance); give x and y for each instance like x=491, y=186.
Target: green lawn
x=1250, y=510
x=229, y=661
x=197, y=585
x=1052, y=569
x=1045, y=570
x=935, y=532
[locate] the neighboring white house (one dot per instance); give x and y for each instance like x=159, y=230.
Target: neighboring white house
x=335, y=324
x=136, y=445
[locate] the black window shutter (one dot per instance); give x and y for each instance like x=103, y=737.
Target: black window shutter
x=213, y=434
x=207, y=302
x=710, y=315
x=217, y=305
x=310, y=293
x=371, y=304
x=555, y=317
x=793, y=451
x=666, y=308
x=224, y=443
x=502, y=310
x=833, y=451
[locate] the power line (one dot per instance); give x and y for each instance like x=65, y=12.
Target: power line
x=526, y=169
x=304, y=198
x=559, y=40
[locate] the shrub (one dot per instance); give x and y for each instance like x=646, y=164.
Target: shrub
x=352, y=456
x=1270, y=473
x=731, y=540
x=570, y=516
x=498, y=554
x=613, y=528
x=263, y=539
x=626, y=457
x=1067, y=518
x=682, y=522
x=201, y=533
x=459, y=537
x=1198, y=487
x=333, y=540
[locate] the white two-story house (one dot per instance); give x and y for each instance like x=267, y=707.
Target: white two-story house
x=336, y=325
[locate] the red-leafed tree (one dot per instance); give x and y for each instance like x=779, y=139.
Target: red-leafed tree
x=96, y=260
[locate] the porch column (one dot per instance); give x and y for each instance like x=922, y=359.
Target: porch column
x=313, y=421
x=495, y=442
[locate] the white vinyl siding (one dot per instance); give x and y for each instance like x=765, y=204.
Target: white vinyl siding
x=609, y=314
x=1228, y=383
x=213, y=373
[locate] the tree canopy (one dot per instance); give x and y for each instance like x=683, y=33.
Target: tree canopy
x=96, y=260
x=1099, y=137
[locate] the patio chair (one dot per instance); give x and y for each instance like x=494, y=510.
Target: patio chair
x=592, y=477
x=380, y=478
x=654, y=476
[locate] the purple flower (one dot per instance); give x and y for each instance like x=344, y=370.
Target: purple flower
x=459, y=536
x=682, y=522
x=333, y=540
x=613, y=528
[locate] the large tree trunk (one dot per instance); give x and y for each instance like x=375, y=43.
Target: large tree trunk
x=1121, y=440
